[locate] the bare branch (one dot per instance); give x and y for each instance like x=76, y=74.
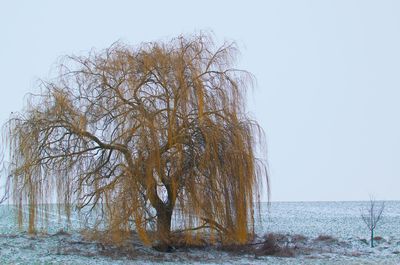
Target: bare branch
x=132, y=135
x=372, y=215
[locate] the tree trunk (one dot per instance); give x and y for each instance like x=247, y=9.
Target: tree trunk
x=164, y=216
x=372, y=238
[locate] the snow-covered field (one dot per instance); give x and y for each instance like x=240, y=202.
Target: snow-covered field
x=340, y=220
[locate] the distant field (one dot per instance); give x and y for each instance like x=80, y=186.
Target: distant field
x=311, y=219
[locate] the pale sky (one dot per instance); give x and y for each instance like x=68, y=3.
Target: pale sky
x=328, y=76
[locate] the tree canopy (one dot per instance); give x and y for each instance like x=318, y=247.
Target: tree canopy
x=139, y=136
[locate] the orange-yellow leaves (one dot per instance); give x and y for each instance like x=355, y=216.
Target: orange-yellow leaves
x=131, y=134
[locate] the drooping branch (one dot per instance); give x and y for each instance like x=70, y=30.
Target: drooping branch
x=138, y=134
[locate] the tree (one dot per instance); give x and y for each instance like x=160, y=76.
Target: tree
x=372, y=216
x=135, y=134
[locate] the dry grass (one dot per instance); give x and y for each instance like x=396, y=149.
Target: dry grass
x=181, y=241
x=325, y=238
x=299, y=238
x=184, y=251
x=238, y=249
x=180, y=248
x=275, y=245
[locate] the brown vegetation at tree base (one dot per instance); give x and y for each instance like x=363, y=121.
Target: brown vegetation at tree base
x=276, y=245
x=378, y=238
x=299, y=238
x=326, y=238
x=133, y=136
x=272, y=244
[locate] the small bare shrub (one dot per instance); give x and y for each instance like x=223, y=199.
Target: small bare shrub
x=372, y=215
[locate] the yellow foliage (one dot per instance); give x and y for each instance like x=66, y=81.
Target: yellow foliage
x=134, y=136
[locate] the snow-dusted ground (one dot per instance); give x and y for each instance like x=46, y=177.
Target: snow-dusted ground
x=311, y=219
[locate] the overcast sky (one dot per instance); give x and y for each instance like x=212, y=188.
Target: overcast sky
x=328, y=76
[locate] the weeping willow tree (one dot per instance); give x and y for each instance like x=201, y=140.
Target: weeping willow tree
x=139, y=135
